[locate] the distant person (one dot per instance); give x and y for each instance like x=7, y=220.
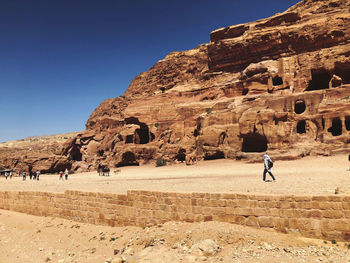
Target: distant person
x=267, y=167
x=30, y=175
x=11, y=175
x=34, y=175
x=61, y=175
x=99, y=169
x=37, y=175
x=6, y=175
x=24, y=176
x=66, y=174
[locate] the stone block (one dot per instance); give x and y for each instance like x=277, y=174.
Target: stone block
x=265, y=221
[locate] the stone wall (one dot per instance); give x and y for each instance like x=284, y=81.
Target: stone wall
x=326, y=217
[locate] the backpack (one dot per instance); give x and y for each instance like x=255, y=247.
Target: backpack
x=269, y=164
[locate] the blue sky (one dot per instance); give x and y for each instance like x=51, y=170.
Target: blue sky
x=59, y=59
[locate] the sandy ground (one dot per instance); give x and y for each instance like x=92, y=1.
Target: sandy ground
x=310, y=175
x=26, y=238
x=32, y=239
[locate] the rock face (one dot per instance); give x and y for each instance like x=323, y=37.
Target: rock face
x=43, y=153
x=280, y=85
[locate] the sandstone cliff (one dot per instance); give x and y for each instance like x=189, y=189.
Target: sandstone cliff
x=280, y=84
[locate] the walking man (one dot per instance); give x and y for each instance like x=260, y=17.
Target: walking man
x=66, y=174
x=267, y=167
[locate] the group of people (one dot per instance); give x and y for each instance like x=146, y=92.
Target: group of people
x=8, y=174
x=32, y=175
x=65, y=174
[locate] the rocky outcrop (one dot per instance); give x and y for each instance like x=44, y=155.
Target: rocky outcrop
x=280, y=84
x=41, y=153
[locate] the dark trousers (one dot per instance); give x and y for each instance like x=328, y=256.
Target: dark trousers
x=270, y=173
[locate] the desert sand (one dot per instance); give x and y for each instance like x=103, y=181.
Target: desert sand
x=314, y=175
x=26, y=238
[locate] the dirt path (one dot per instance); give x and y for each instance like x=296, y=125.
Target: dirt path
x=308, y=176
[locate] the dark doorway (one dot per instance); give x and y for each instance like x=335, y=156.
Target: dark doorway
x=320, y=80
x=254, y=142
x=299, y=107
x=141, y=136
x=336, y=128
x=301, y=127
x=276, y=81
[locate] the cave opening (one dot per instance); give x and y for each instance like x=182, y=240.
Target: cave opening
x=141, y=136
x=343, y=70
x=336, y=128
x=128, y=159
x=319, y=80
x=299, y=107
x=181, y=155
x=100, y=152
x=276, y=81
x=75, y=153
x=254, y=142
x=347, y=123
x=301, y=127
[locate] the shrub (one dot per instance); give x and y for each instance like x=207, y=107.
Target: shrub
x=208, y=110
x=160, y=162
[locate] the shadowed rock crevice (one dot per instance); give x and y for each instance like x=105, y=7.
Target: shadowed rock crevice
x=214, y=156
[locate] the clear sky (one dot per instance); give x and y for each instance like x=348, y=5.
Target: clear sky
x=59, y=59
